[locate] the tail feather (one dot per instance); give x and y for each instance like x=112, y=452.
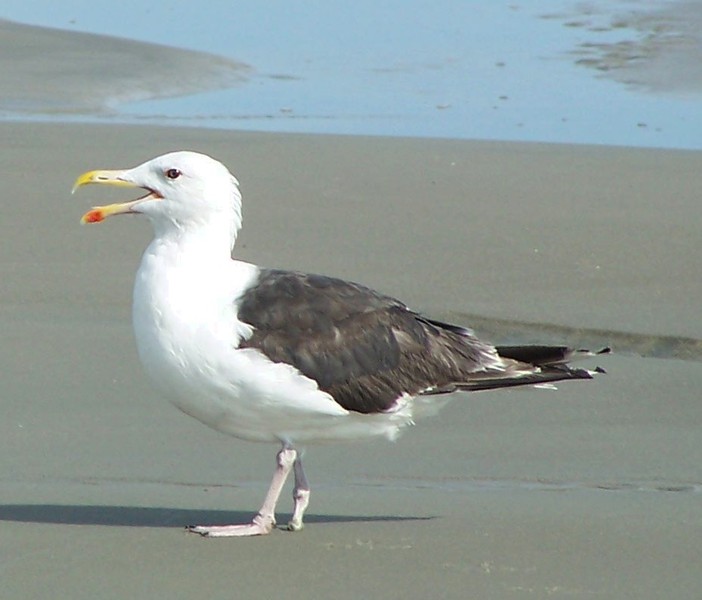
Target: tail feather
x=546, y=355
x=539, y=378
x=534, y=365
x=538, y=366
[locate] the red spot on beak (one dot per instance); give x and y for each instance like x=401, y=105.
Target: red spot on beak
x=93, y=216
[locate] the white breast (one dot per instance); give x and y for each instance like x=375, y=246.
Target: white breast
x=187, y=334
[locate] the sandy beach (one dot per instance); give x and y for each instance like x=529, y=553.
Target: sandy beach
x=594, y=490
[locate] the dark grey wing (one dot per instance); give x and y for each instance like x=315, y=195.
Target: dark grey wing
x=363, y=348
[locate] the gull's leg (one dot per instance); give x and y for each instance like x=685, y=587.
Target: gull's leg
x=264, y=521
x=301, y=496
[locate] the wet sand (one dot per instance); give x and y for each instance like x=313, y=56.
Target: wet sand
x=660, y=54
x=55, y=72
x=590, y=491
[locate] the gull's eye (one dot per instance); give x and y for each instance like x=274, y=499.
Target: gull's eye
x=173, y=173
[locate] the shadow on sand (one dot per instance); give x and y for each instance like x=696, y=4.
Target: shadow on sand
x=133, y=516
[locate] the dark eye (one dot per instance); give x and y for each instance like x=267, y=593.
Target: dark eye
x=173, y=173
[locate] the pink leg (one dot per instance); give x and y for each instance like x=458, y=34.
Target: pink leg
x=301, y=496
x=264, y=521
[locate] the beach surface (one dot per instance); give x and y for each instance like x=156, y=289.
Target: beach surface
x=594, y=490
x=57, y=73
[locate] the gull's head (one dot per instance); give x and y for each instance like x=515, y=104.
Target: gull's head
x=182, y=189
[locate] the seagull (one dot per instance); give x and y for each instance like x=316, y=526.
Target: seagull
x=293, y=358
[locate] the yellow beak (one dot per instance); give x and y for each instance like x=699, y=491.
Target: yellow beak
x=100, y=213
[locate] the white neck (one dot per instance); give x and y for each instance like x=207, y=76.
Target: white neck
x=185, y=289
x=184, y=271
x=214, y=233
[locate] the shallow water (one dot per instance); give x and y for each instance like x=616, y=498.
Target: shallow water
x=547, y=70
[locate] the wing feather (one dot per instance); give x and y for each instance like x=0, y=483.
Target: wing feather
x=368, y=350
x=364, y=348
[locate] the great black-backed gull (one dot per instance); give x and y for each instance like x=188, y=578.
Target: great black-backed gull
x=278, y=356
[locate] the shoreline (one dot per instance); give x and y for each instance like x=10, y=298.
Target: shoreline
x=66, y=73
x=39, y=73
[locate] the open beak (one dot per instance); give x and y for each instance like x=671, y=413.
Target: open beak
x=116, y=178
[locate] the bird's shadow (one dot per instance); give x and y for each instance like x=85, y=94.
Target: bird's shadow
x=135, y=516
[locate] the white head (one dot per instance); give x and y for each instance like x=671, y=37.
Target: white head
x=186, y=191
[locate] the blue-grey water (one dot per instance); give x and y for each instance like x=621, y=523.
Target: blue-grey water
x=617, y=72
